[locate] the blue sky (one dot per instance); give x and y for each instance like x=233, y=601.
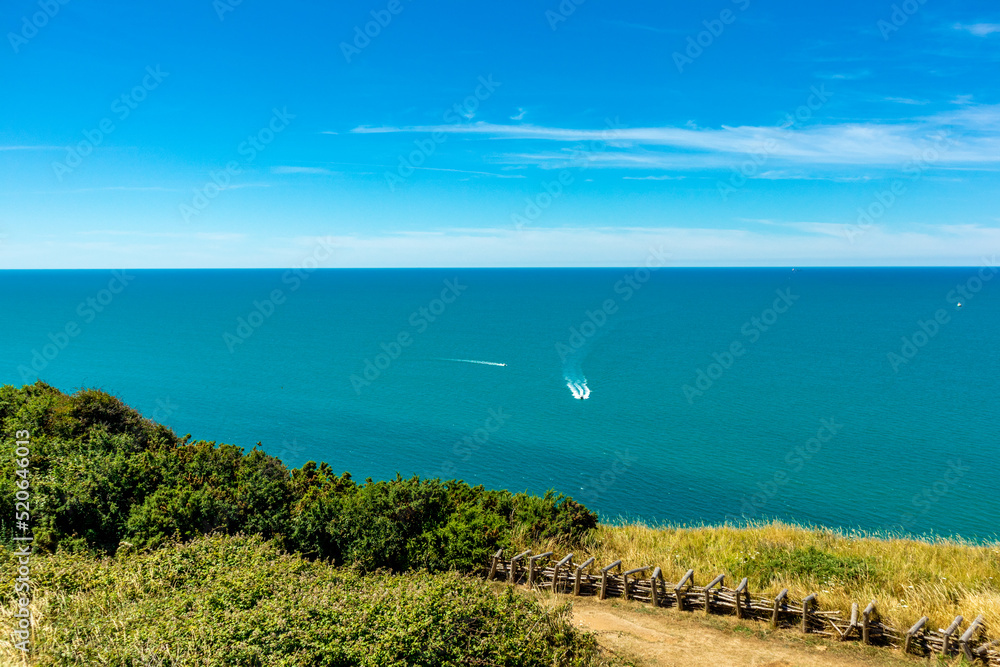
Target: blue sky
x=727, y=133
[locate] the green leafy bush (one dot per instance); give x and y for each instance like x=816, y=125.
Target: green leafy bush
x=808, y=563
x=223, y=600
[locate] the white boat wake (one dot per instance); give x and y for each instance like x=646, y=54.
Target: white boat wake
x=474, y=361
x=580, y=390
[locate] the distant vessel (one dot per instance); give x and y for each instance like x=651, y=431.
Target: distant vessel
x=580, y=390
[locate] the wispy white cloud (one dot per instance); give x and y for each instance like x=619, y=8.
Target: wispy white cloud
x=653, y=178
x=906, y=100
x=521, y=112
x=845, y=76
x=140, y=234
x=799, y=175
x=32, y=148
x=780, y=244
x=108, y=188
x=768, y=243
x=467, y=171
x=973, y=139
x=647, y=28
x=979, y=29
x=318, y=171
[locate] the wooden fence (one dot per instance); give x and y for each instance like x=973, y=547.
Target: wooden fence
x=646, y=584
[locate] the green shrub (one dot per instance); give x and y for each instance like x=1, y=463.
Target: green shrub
x=810, y=563
x=241, y=601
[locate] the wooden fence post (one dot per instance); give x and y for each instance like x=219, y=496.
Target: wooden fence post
x=531, y=567
x=967, y=637
x=626, y=575
x=604, y=577
x=555, y=571
x=579, y=574
x=709, y=593
x=782, y=596
x=653, y=587
x=912, y=632
x=806, y=606
x=741, y=590
x=688, y=579
x=948, y=632
x=854, y=621
x=511, y=578
x=866, y=616
x=493, y=564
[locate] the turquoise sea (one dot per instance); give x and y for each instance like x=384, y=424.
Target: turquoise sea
x=854, y=398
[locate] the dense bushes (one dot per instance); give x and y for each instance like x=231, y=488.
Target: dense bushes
x=101, y=475
x=239, y=601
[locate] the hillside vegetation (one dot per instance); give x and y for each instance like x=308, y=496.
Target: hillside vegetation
x=224, y=600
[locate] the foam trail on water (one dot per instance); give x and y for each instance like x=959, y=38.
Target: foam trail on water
x=475, y=361
x=579, y=390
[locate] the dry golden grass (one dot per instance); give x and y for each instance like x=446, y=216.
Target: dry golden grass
x=907, y=578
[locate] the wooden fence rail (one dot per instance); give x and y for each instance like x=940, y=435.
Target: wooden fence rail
x=646, y=584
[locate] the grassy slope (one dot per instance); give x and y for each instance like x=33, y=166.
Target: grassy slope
x=240, y=601
x=907, y=578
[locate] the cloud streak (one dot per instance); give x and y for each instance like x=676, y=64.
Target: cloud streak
x=979, y=29
x=973, y=132
x=766, y=243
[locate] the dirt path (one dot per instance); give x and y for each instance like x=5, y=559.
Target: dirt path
x=667, y=637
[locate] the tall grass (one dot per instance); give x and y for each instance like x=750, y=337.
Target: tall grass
x=940, y=578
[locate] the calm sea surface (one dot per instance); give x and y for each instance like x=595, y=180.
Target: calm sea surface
x=706, y=394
